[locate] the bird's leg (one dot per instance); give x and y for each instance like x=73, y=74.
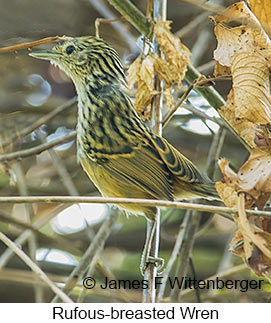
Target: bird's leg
x=146, y=258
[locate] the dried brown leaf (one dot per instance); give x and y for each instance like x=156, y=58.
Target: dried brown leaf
x=246, y=51
x=171, y=70
x=176, y=54
x=262, y=10
x=254, y=257
x=251, y=242
x=237, y=244
x=251, y=86
x=165, y=71
x=260, y=263
x=221, y=70
x=253, y=178
x=227, y=194
x=263, y=135
x=132, y=72
x=169, y=98
x=246, y=129
x=169, y=75
x=241, y=13
x=141, y=75
x=240, y=39
x=249, y=37
x=227, y=189
x=256, y=242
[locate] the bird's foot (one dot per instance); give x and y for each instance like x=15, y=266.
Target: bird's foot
x=146, y=260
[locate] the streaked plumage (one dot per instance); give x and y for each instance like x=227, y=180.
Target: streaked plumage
x=116, y=149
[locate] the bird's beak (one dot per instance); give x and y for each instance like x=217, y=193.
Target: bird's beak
x=44, y=54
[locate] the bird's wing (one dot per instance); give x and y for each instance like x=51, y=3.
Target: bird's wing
x=144, y=172
x=188, y=181
x=178, y=165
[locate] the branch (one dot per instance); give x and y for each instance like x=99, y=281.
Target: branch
x=117, y=200
x=36, y=124
x=190, y=26
x=132, y=14
x=35, y=268
x=38, y=149
x=174, y=255
x=186, y=249
x=212, y=7
x=91, y=256
x=141, y=23
x=31, y=44
x=29, y=212
x=59, y=242
x=119, y=26
x=228, y=272
x=183, y=247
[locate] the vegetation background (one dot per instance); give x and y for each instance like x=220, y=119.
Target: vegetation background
x=31, y=89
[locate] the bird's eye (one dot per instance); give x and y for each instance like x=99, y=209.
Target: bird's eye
x=70, y=49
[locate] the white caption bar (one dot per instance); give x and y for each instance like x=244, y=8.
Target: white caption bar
x=132, y=312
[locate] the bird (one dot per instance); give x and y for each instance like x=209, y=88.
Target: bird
x=121, y=155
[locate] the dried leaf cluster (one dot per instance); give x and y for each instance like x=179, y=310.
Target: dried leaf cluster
x=170, y=68
x=244, y=52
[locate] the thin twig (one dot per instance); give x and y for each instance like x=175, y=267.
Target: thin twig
x=194, y=85
x=106, y=12
x=61, y=169
x=200, y=46
x=213, y=97
x=227, y=272
x=104, y=269
x=225, y=263
x=69, y=186
x=180, y=102
x=31, y=44
x=191, y=228
x=149, y=295
x=36, y=124
x=173, y=257
x=206, y=67
x=202, y=115
x=214, y=151
x=186, y=248
x=118, y=200
x=211, y=7
x=59, y=242
x=194, y=275
x=105, y=21
x=26, y=277
x=38, y=149
x=35, y=268
x=32, y=240
x=132, y=14
x=140, y=22
x=91, y=255
x=192, y=24
x=11, y=220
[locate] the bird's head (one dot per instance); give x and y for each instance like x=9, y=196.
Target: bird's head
x=84, y=59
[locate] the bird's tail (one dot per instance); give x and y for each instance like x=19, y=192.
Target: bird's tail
x=207, y=190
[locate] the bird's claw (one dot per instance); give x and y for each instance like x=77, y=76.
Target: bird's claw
x=157, y=261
